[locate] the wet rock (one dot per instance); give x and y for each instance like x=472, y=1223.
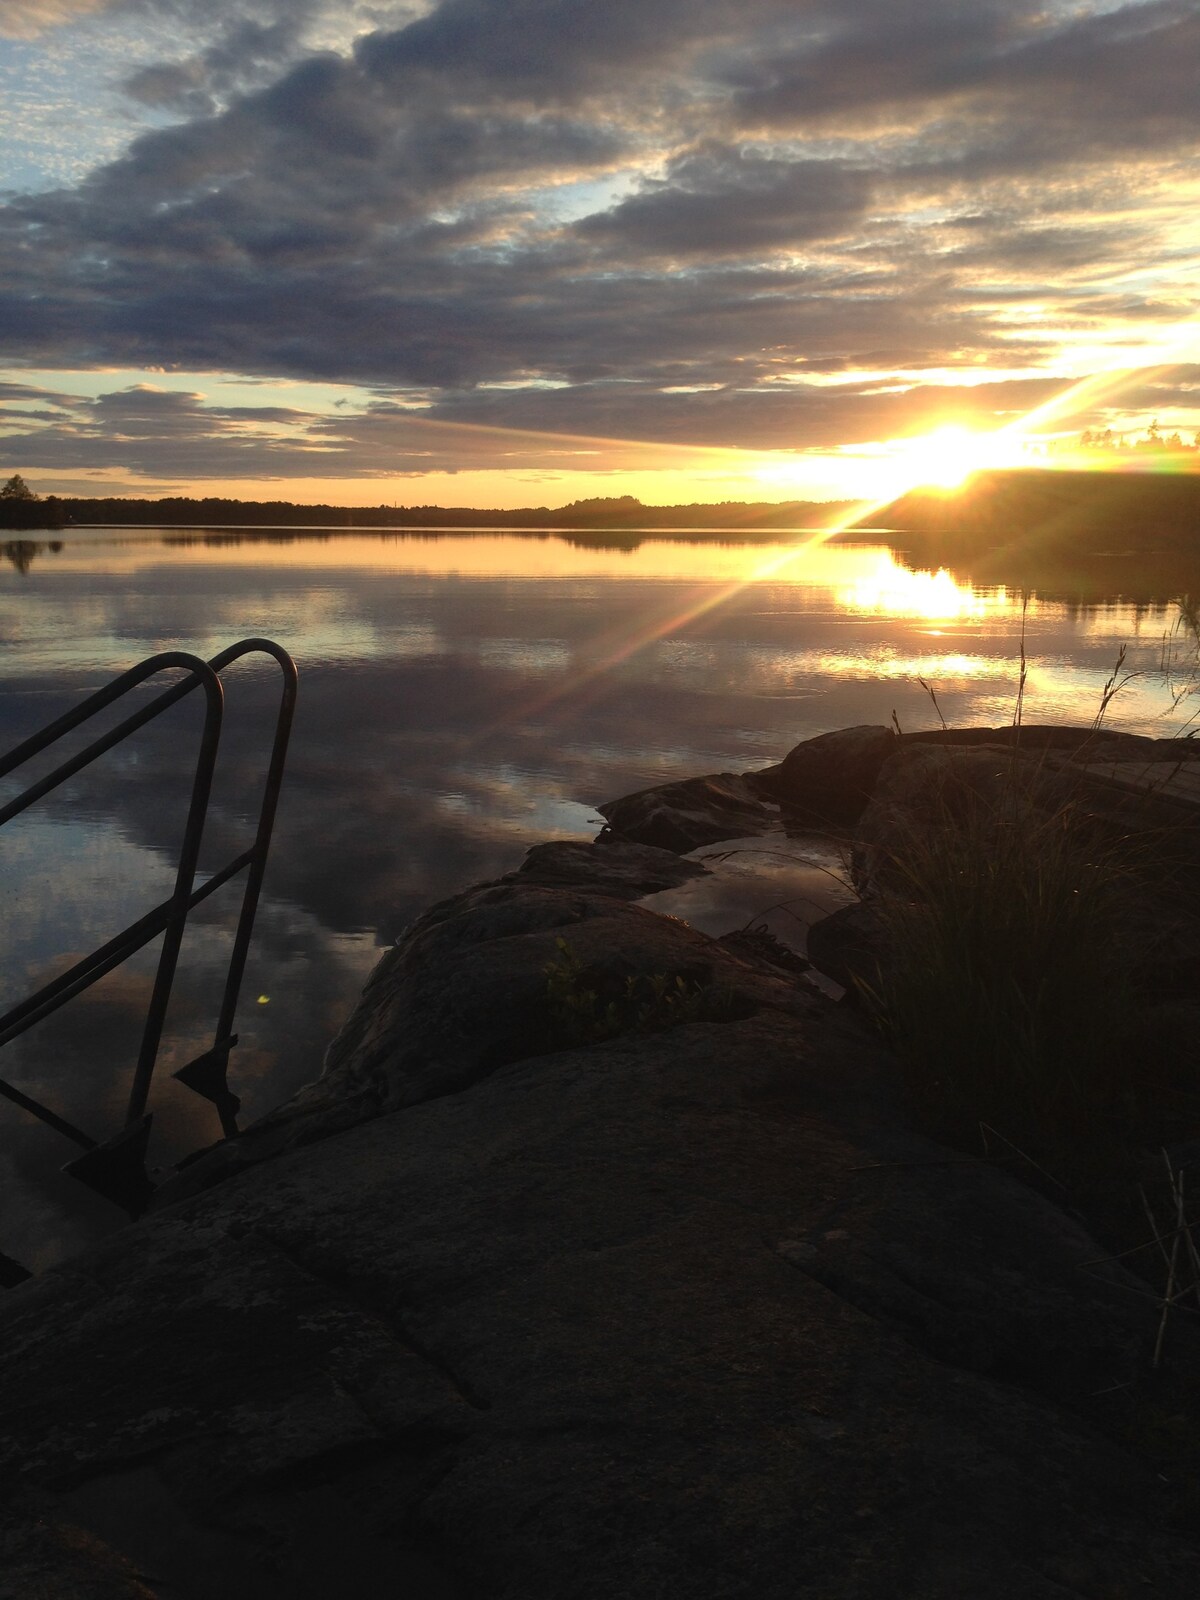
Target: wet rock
x=608, y=865
x=683, y=816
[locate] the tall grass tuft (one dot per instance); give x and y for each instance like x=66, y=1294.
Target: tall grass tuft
x=1004, y=981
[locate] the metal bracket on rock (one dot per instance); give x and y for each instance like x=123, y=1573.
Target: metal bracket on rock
x=206, y=1076
x=116, y=1169
x=12, y=1272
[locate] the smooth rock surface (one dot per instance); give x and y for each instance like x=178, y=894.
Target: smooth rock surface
x=685, y=1314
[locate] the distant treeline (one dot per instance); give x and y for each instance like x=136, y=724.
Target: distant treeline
x=1041, y=509
x=1105, y=442
x=620, y=511
x=32, y=515
x=1033, y=507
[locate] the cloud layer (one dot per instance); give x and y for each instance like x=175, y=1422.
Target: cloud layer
x=748, y=224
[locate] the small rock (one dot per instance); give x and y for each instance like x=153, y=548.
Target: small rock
x=683, y=816
x=608, y=866
x=848, y=946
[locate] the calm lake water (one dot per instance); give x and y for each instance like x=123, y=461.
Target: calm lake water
x=462, y=696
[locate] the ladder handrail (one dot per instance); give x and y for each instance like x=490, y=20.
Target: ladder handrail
x=116, y=1167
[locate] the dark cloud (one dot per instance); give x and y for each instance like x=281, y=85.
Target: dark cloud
x=180, y=436
x=560, y=50
x=778, y=417
x=1115, y=75
x=877, y=55
x=1177, y=387
x=728, y=202
x=183, y=439
x=34, y=392
x=171, y=433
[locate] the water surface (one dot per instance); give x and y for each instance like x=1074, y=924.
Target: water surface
x=462, y=696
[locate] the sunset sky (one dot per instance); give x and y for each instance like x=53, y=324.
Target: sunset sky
x=514, y=252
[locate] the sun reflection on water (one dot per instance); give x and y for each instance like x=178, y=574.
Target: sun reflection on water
x=888, y=589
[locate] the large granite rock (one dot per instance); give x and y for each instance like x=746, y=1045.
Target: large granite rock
x=688, y=1313
x=441, y=1016
x=1089, y=743
x=828, y=780
x=1119, y=793
x=469, y=1016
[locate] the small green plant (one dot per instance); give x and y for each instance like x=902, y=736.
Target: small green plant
x=587, y=1007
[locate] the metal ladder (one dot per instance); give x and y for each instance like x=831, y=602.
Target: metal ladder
x=115, y=1165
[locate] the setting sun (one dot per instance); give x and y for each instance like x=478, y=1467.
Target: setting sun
x=948, y=455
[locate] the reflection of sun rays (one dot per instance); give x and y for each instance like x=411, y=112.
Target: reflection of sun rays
x=935, y=596
x=588, y=682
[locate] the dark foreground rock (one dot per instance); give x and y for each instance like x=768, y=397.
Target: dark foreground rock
x=689, y=1313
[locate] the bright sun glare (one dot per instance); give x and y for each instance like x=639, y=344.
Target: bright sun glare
x=948, y=456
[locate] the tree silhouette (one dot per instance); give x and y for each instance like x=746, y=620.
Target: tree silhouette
x=21, y=508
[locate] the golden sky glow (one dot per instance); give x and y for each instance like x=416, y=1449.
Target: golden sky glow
x=409, y=255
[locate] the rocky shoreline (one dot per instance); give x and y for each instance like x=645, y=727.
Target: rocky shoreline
x=606, y=1259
